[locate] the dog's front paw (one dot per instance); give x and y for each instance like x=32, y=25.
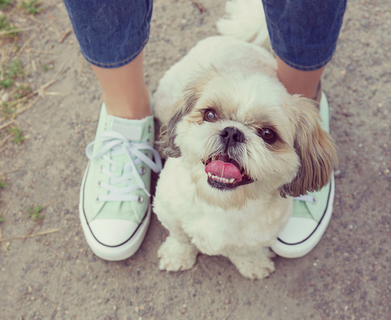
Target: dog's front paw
x=258, y=270
x=256, y=266
x=175, y=255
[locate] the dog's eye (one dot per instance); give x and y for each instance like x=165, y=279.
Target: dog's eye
x=210, y=116
x=268, y=135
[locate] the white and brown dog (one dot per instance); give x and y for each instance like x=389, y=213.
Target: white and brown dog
x=238, y=148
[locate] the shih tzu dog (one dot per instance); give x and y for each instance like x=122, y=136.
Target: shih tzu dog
x=238, y=148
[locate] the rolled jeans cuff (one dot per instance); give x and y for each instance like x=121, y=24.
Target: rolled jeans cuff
x=304, y=33
x=110, y=33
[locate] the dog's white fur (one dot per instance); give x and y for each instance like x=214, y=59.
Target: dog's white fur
x=239, y=81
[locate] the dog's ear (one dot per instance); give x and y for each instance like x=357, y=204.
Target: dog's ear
x=167, y=132
x=315, y=148
x=179, y=110
x=191, y=93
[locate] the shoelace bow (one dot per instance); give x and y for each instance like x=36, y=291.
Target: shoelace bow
x=118, y=144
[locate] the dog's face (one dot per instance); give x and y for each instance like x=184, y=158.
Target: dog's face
x=243, y=135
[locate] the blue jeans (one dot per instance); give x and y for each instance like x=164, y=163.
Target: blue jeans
x=111, y=33
x=304, y=33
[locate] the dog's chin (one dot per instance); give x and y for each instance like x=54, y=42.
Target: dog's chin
x=227, y=196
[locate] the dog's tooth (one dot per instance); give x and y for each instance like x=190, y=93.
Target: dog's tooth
x=232, y=180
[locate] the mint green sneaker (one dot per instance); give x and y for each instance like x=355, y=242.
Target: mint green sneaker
x=114, y=203
x=311, y=213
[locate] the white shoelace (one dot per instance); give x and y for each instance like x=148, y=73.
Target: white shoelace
x=306, y=198
x=117, y=144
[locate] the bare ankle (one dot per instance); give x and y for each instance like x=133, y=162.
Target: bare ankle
x=134, y=107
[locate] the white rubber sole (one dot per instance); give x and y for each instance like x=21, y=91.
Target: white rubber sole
x=113, y=253
x=301, y=249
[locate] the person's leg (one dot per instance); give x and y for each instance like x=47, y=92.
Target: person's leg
x=112, y=35
x=114, y=207
x=303, y=34
x=306, y=83
x=124, y=91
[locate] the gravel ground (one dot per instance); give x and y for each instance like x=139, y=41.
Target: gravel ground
x=56, y=276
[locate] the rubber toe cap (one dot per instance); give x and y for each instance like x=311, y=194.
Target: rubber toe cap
x=297, y=230
x=113, y=232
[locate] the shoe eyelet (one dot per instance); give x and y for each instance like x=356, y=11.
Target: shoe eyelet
x=315, y=200
x=140, y=199
x=143, y=170
x=148, y=141
x=97, y=199
x=101, y=169
x=149, y=129
x=99, y=183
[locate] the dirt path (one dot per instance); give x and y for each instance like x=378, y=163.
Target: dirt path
x=56, y=276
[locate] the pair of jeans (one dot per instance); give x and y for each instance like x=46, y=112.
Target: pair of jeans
x=111, y=33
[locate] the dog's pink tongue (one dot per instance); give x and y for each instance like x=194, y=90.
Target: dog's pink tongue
x=224, y=170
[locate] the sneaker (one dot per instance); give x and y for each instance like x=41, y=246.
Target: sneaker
x=114, y=203
x=311, y=213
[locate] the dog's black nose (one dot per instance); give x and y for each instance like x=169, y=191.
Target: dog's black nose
x=230, y=136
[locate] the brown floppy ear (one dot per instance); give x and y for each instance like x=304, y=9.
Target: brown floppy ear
x=166, y=143
x=315, y=148
x=191, y=94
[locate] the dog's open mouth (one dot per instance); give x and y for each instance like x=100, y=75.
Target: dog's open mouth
x=225, y=173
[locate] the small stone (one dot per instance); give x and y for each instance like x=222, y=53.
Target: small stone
x=4, y=97
x=183, y=310
x=386, y=172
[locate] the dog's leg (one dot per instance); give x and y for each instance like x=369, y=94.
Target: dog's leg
x=177, y=252
x=256, y=265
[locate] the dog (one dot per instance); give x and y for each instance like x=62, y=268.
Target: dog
x=238, y=148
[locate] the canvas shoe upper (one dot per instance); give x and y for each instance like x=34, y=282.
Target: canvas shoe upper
x=311, y=213
x=114, y=198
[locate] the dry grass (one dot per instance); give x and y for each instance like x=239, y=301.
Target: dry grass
x=21, y=19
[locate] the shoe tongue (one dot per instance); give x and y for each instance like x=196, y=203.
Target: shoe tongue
x=130, y=129
x=223, y=170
